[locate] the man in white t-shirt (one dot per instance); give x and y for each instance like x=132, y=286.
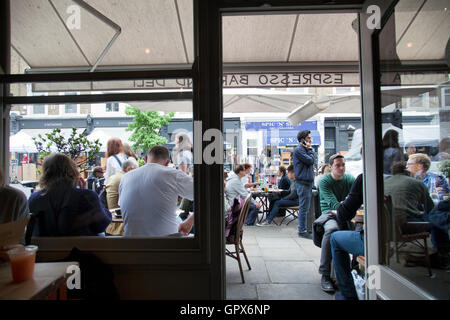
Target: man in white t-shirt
x=148, y=196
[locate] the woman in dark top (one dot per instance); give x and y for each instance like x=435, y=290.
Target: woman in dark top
x=391, y=150
x=64, y=207
x=284, y=183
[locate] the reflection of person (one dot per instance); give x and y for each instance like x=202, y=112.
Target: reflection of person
x=64, y=207
x=347, y=242
x=333, y=188
x=444, y=150
x=183, y=152
x=114, y=157
x=418, y=164
x=304, y=178
x=412, y=203
x=13, y=203
x=148, y=196
x=235, y=189
x=391, y=150
x=288, y=201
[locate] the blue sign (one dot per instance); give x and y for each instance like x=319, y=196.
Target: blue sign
x=282, y=133
x=268, y=125
x=285, y=137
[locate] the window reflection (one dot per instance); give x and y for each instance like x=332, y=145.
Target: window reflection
x=414, y=234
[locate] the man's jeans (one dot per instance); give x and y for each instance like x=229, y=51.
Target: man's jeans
x=304, y=191
x=325, y=257
x=251, y=215
x=277, y=205
x=344, y=243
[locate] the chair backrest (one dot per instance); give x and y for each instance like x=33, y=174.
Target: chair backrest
x=241, y=220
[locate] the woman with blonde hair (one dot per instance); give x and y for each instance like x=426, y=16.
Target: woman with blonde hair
x=183, y=152
x=115, y=156
x=64, y=207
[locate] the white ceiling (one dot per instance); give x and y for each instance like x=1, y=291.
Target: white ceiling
x=158, y=32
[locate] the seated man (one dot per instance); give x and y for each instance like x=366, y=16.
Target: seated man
x=148, y=196
x=112, y=184
x=345, y=242
x=418, y=165
x=284, y=183
x=333, y=188
x=235, y=189
x=411, y=202
x=290, y=200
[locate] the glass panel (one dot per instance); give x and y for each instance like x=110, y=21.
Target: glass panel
x=140, y=125
x=415, y=145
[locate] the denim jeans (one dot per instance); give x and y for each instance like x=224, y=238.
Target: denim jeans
x=304, y=191
x=344, y=243
x=251, y=215
x=277, y=205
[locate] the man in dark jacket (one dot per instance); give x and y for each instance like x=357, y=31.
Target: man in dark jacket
x=289, y=200
x=304, y=178
x=284, y=183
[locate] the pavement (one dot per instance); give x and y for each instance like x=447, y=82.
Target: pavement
x=284, y=266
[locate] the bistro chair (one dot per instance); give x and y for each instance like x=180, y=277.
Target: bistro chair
x=237, y=239
x=293, y=212
x=393, y=231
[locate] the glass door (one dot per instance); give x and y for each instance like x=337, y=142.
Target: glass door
x=408, y=237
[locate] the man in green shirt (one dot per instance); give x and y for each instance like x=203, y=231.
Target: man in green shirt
x=333, y=188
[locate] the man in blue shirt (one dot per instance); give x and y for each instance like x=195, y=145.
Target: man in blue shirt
x=304, y=178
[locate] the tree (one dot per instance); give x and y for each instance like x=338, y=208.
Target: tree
x=76, y=147
x=145, y=127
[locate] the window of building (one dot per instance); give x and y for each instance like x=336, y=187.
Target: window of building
x=38, y=109
x=53, y=110
x=252, y=147
x=112, y=107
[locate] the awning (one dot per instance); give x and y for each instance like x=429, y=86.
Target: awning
x=21, y=143
x=64, y=33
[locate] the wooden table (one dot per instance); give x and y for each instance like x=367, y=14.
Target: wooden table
x=49, y=282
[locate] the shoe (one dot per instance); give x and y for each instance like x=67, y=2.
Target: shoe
x=326, y=284
x=305, y=234
x=265, y=223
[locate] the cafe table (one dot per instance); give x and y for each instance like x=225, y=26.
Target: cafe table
x=48, y=283
x=263, y=197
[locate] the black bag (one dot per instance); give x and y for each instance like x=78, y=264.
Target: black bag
x=103, y=199
x=319, y=230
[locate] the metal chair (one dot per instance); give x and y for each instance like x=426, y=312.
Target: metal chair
x=293, y=211
x=237, y=241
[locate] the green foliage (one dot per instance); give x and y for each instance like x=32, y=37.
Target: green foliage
x=145, y=127
x=75, y=146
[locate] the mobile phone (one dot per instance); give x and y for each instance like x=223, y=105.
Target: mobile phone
x=302, y=141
